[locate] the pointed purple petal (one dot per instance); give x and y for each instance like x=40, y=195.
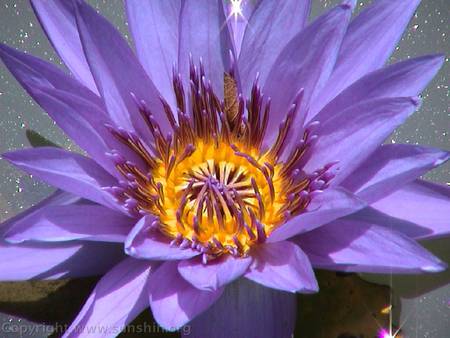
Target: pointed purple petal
x=30, y=70
x=55, y=260
x=306, y=62
x=238, y=21
x=271, y=26
x=406, y=78
x=56, y=199
x=374, y=216
x=117, y=72
x=366, y=124
x=144, y=243
x=118, y=298
x=352, y=245
x=247, y=310
x=420, y=203
x=370, y=39
x=58, y=20
x=324, y=208
x=75, y=109
x=390, y=167
x=66, y=170
x=282, y=266
x=175, y=302
x=66, y=223
x=214, y=274
x=205, y=34
x=78, y=112
x=155, y=26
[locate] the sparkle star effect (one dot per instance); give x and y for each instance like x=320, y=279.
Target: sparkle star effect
x=236, y=9
x=385, y=334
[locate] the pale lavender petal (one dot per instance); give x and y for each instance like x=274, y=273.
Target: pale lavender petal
x=370, y=39
x=155, y=29
x=175, y=302
x=420, y=203
x=66, y=223
x=366, y=124
x=390, y=167
x=214, y=274
x=58, y=20
x=353, y=245
x=271, y=26
x=283, y=266
x=118, y=298
x=56, y=260
x=406, y=78
x=68, y=171
x=117, y=72
x=144, y=243
x=323, y=208
x=205, y=34
x=247, y=310
x=306, y=62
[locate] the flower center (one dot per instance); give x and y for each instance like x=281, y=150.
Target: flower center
x=221, y=197
x=212, y=183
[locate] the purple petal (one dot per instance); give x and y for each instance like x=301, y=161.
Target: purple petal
x=174, y=301
x=205, y=34
x=323, y=208
x=67, y=107
x=216, y=273
x=406, y=78
x=76, y=110
x=58, y=20
x=238, y=22
x=374, y=216
x=76, y=127
x=247, y=310
x=55, y=199
x=30, y=70
x=144, y=243
x=117, y=72
x=283, y=266
x=155, y=25
x=271, y=26
x=118, y=298
x=55, y=260
x=370, y=39
x=66, y=223
x=353, y=245
x=366, y=124
x=420, y=203
x=66, y=170
x=390, y=167
x=306, y=62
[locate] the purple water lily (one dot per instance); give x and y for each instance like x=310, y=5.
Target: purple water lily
x=225, y=160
